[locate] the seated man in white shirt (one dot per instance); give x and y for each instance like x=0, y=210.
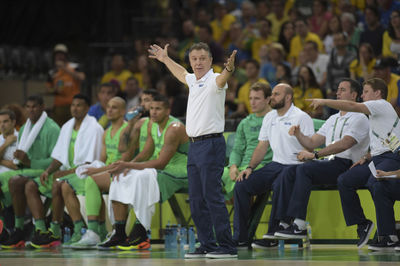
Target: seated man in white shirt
x=274, y=132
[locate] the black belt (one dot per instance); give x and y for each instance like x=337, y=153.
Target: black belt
x=203, y=137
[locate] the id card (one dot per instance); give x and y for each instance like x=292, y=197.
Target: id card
x=392, y=142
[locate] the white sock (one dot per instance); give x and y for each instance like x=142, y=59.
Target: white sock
x=394, y=238
x=283, y=224
x=301, y=224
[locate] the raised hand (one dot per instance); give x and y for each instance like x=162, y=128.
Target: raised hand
x=156, y=52
x=230, y=63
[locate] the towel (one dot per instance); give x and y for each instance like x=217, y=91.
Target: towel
x=139, y=189
x=29, y=134
x=83, y=168
x=9, y=152
x=87, y=145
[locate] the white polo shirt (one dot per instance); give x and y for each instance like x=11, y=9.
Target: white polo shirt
x=9, y=153
x=206, y=105
x=381, y=121
x=275, y=129
x=351, y=124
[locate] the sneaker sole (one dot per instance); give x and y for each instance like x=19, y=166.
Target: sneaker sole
x=84, y=247
x=222, y=256
x=254, y=245
x=20, y=244
x=271, y=237
x=141, y=246
x=50, y=245
x=288, y=236
x=381, y=248
x=107, y=248
x=187, y=256
x=367, y=237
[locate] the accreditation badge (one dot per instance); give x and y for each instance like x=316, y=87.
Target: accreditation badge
x=392, y=142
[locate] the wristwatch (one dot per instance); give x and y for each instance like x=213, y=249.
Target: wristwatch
x=316, y=155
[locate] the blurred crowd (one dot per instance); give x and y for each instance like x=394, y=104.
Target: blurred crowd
x=311, y=45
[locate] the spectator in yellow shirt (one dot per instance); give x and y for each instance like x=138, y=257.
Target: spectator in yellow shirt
x=361, y=69
x=391, y=37
x=221, y=25
x=117, y=72
x=264, y=28
x=302, y=36
x=252, y=71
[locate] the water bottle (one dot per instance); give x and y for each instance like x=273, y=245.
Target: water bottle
x=149, y=234
x=281, y=244
x=132, y=114
x=67, y=234
x=174, y=237
x=306, y=241
x=192, y=239
x=183, y=238
x=168, y=234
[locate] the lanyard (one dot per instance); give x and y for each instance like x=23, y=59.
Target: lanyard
x=341, y=131
x=394, y=125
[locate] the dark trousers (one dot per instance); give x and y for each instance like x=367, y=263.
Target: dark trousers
x=385, y=193
x=257, y=183
x=206, y=160
x=358, y=177
x=308, y=174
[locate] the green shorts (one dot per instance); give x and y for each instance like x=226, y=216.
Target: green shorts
x=77, y=184
x=169, y=184
x=5, y=196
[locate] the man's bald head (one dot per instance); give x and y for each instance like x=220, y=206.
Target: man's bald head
x=116, y=108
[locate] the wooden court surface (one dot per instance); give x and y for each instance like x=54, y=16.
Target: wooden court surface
x=326, y=255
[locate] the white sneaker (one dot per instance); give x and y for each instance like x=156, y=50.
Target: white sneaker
x=89, y=240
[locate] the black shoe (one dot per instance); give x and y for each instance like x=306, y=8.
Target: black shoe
x=198, y=253
x=45, y=239
x=385, y=243
x=112, y=243
x=15, y=240
x=219, y=254
x=364, y=231
x=271, y=235
x=242, y=245
x=265, y=244
x=292, y=232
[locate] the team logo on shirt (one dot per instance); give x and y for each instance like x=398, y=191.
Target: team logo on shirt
x=287, y=123
x=201, y=85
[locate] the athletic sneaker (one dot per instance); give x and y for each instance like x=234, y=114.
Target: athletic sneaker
x=88, y=241
x=76, y=236
x=219, y=254
x=265, y=244
x=139, y=243
x=197, y=254
x=364, y=231
x=271, y=235
x=15, y=240
x=292, y=232
x=45, y=239
x=111, y=242
x=385, y=243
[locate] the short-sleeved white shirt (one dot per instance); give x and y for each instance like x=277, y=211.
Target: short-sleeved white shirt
x=275, y=129
x=381, y=121
x=9, y=153
x=319, y=66
x=351, y=124
x=206, y=105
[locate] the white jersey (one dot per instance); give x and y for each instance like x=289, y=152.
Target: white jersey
x=206, y=105
x=351, y=124
x=383, y=120
x=275, y=129
x=9, y=153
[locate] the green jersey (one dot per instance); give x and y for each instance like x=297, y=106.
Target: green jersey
x=112, y=143
x=177, y=165
x=246, y=140
x=40, y=151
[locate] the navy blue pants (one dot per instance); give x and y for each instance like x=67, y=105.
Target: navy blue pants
x=258, y=182
x=205, y=166
x=360, y=176
x=295, y=190
x=385, y=193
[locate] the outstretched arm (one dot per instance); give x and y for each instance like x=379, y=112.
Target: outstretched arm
x=161, y=55
x=342, y=105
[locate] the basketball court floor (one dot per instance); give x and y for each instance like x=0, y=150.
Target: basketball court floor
x=326, y=255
